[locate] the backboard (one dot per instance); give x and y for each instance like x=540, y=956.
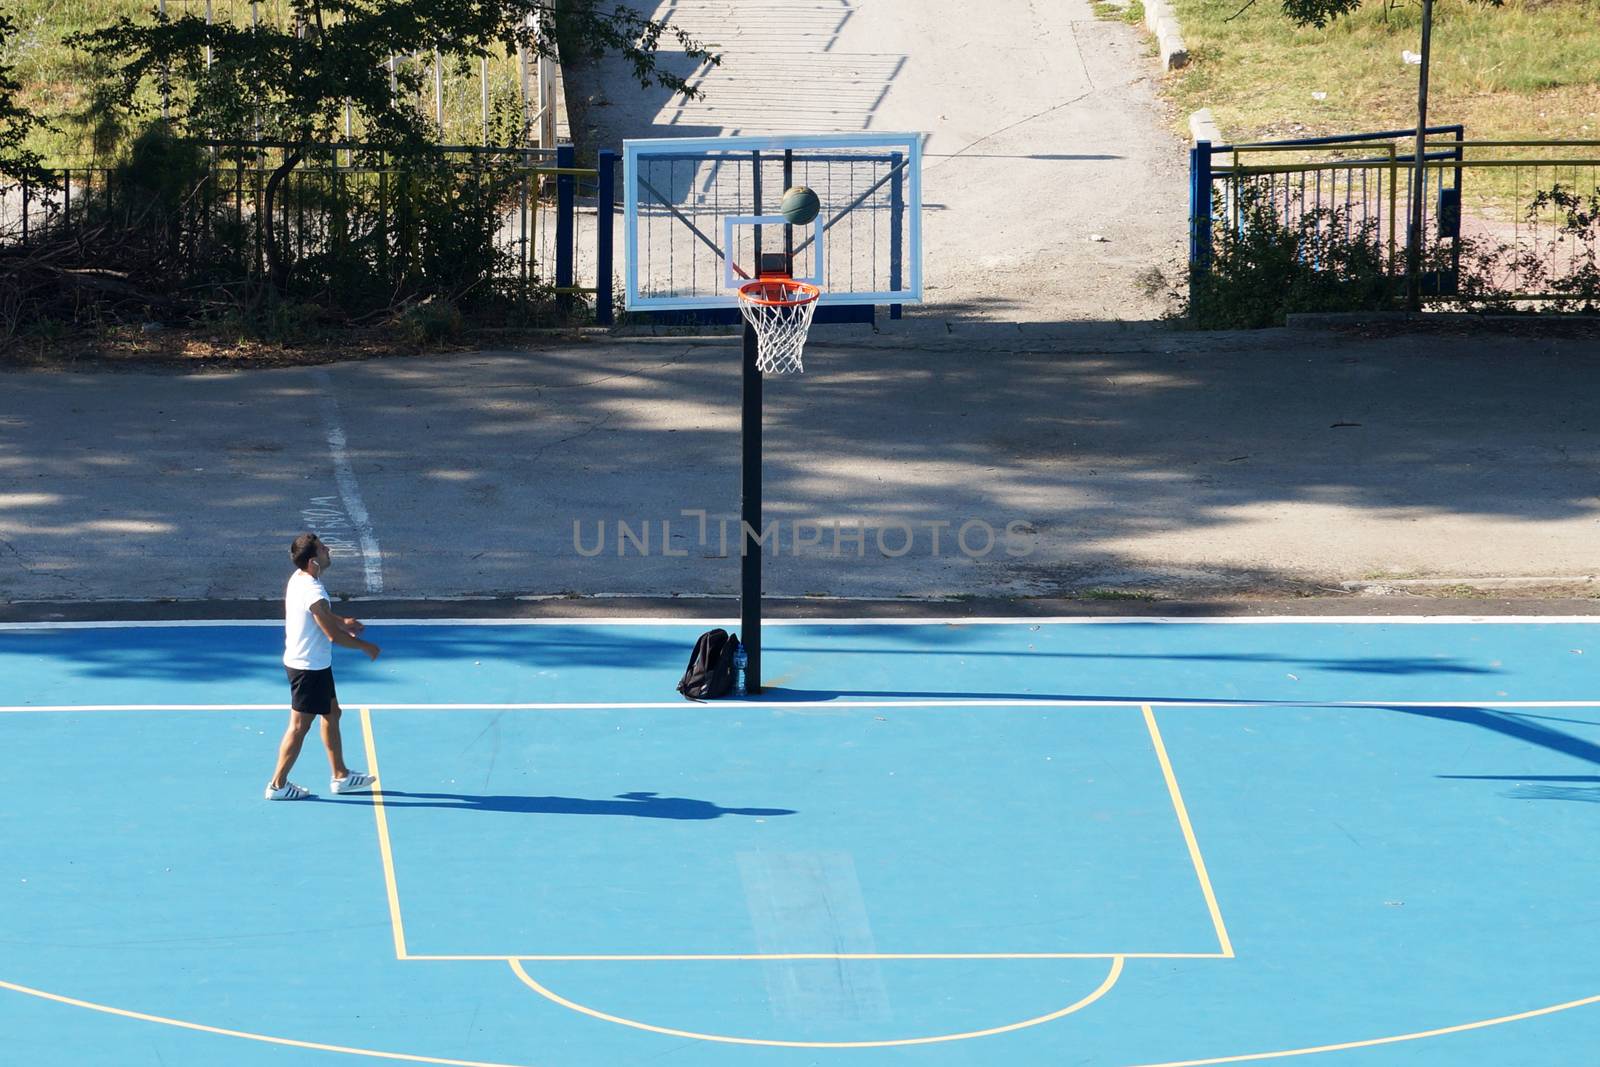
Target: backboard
x=701, y=216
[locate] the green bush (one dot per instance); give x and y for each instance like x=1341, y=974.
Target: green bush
x=432, y=322
x=1268, y=262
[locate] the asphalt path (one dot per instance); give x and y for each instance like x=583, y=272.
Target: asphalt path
x=1084, y=460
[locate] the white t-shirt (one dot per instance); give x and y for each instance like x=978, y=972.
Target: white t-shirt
x=305, y=646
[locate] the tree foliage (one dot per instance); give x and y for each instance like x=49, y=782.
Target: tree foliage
x=291, y=84
x=1320, y=13
x=17, y=162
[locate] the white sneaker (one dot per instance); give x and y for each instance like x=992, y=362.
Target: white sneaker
x=351, y=782
x=287, y=791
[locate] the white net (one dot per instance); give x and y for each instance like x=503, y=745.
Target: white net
x=780, y=310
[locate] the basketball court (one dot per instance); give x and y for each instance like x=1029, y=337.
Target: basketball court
x=1022, y=841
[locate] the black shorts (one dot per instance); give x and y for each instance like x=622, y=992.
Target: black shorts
x=311, y=692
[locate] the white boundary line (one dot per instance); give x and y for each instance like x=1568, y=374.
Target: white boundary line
x=951, y=620
x=774, y=705
x=345, y=475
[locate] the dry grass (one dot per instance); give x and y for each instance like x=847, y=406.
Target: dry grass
x=1530, y=69
x=211, y=348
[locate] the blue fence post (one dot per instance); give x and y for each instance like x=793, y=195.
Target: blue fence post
x=604, y=236
x=566, y=206
x=1199, y=210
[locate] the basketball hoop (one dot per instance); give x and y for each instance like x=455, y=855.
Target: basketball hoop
x=780, y=311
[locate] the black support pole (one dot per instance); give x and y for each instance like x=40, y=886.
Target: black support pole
x=1419, y=173
x=788, y=230
x=750, y=514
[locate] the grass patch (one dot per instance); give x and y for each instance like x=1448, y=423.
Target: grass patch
x=1530, y=69
x=1462, y=591
x=1116, y=594
x=1120, y=12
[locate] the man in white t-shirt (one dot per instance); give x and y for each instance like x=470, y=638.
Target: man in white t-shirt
x=310, y=630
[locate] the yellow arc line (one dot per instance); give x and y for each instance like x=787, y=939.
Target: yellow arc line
x=1188, y=831
x=414, y=1058
x=247, y=1035
x=1105, y=987
x=382, y=818
x=1395, y=1039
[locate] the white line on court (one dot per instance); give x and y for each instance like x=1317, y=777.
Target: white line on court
x=775, y=705
x=952, y=621
x=345, y=475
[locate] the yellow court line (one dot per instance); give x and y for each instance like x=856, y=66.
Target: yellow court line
x=406, y=1057
x=384, y=850
x=1105, y=987
x=1313, y=1050
x=247, y=1035
x=1188, y=832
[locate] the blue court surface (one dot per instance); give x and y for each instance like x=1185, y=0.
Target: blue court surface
x=1015, y=842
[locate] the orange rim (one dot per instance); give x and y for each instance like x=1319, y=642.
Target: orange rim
x=790, y=292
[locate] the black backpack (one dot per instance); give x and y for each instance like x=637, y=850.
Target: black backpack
x=710, y=671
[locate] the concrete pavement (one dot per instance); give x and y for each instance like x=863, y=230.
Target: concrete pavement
x=1053, y=177
x=1130, y=459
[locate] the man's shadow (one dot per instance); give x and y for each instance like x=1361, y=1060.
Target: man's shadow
x=638, y=805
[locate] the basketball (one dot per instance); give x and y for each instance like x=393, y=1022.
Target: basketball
x=800, y=205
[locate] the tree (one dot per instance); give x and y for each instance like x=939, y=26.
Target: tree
x=17, y=162
x=1319, y=13
x=291, y=85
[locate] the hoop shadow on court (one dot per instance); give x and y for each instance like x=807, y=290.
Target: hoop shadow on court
x=640, y=805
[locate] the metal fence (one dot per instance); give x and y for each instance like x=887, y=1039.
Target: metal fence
x=1360, y=182
x=532, y=193
x=1490, y=226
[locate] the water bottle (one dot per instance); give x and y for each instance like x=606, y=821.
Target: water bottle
x=740, y=660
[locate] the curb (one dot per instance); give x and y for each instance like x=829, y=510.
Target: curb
x=1203, y=127
x=1318, y=320
x=270, y=612
x=1388, y=584
x=1161, y=20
